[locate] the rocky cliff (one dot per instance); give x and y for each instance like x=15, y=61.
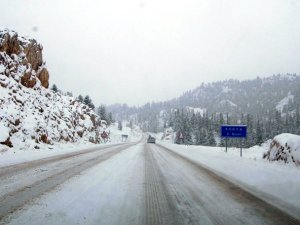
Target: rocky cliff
x=30, y=114
x=22, y=59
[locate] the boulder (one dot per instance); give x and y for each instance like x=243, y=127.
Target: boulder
x=284, y=147
x=43, y=76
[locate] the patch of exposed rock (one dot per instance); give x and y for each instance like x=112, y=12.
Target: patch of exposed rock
x=22, y=59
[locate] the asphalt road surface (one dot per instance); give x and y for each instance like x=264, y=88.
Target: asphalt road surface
x=136, y=183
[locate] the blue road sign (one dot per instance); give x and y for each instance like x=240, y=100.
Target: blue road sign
x=233, y=131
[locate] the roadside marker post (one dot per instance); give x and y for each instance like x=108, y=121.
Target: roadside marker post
x=233, y=131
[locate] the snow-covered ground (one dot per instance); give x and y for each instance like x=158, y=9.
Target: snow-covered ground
x=134, y=134
x=260, y=175
x=9, y=156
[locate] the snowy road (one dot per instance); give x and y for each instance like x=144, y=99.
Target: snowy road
x=194, y=195
x=138, y=184
x=22, y=182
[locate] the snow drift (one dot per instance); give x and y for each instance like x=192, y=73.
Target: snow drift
x=31, y=114
x=284, y=147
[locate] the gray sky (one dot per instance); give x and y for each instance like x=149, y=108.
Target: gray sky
x=135, y=51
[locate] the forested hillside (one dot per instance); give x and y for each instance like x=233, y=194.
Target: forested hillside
x=268, y=106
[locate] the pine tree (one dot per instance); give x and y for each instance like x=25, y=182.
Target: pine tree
x=297, y=120
x=227, y=118
x=242, y=121
x=109, y=119
x=131, y=124
x=221, y=122
x=250, y=136
x=268, y=126
x=102, y=112
x=88, y=101
x=54, y=88
x=259, y=137
x=178, y=121
x=211, y=138
x=80, y=98
x=187, y=130
x=287, y=127
x=120, y=127
x=70, y=94
x=278, y=123
x=193, y=123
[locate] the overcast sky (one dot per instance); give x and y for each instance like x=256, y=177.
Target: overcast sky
x=135, y=51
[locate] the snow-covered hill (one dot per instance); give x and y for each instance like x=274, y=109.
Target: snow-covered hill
x=261, y=95
x=30, y=114
x=270, y=104
x=277, y=92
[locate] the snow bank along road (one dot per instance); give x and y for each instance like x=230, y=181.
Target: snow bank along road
x=129, y=184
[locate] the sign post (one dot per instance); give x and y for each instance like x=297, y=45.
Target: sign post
x=241, y=151
x=233, y=131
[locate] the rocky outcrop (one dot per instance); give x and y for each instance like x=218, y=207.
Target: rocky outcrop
x=43, y=76
x=31, y=115
x=284, y=147
x=22, y=60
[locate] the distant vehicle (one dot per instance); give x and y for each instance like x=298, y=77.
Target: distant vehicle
x=151, y=140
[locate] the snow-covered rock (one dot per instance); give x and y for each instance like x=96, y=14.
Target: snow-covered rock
x=4, y=132
x=30, y=114
x=284, y=147
x=168, y=135
x=21, y=59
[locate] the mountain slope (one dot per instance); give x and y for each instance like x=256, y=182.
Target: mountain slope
x=256, y=97
x=251, y=96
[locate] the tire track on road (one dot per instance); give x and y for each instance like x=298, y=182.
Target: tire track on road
x=8, y=170
x=13, y=201
x=191, y=213
x=159, y=207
